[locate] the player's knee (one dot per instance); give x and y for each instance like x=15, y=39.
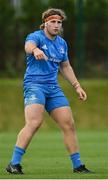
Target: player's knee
x=69, y=126
x=34, y=124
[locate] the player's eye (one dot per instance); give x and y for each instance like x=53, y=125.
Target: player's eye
x=59, y=22
x=53, y=21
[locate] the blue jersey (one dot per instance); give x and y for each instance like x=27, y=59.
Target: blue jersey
x=42, y=71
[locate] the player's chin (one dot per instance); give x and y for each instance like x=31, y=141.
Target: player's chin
x=55, y=33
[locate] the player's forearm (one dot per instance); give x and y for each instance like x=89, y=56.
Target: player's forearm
x=30, y=47
x=69, y=75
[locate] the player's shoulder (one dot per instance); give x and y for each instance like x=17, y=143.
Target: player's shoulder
x=35, y=35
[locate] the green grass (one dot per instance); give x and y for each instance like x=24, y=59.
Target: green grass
x=46, y=157
x=91, y=114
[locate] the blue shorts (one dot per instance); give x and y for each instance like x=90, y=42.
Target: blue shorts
x=51, y=96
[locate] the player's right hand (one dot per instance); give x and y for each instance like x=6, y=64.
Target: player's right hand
x=39, y=54
x=81, y=93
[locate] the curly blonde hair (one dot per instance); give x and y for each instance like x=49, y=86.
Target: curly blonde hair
x=50, y=12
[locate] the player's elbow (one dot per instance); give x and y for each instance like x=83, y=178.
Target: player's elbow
x=26, y=48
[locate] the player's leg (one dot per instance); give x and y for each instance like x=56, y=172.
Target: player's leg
x=33, y=118
x=34, y=109
x=63, y=117
x=58, y=107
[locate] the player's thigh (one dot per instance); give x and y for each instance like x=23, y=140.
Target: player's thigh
x=34, y=100
x=34, y=95
x=63, y=116
x=34, y=113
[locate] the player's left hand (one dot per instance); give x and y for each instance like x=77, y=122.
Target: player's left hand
x=81, y=93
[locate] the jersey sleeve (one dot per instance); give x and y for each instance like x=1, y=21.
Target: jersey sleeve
x=34, y=38
x=65, y=58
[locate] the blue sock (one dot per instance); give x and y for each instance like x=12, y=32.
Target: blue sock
x=76, y=161
x=17, y=155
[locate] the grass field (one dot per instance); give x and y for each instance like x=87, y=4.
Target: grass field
x=46, y=157
x=92, y=113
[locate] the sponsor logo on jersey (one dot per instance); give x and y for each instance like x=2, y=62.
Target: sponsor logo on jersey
x=62, y=50
x=44, y=47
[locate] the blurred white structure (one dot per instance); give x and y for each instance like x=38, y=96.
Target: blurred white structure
x=16, y=3
x=17, y=6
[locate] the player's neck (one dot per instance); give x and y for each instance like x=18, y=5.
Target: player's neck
x=49, y=36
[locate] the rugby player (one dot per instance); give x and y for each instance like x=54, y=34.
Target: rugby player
x=46, y=54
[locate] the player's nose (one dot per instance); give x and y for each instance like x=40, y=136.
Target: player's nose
x=56, y=24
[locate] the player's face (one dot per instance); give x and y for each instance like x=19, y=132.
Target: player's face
x=53, y=27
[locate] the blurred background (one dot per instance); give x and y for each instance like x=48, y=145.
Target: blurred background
x=86, y=32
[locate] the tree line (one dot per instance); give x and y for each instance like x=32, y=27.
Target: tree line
x=17, y=22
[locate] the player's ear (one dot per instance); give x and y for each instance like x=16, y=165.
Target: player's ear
x=46, y=24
